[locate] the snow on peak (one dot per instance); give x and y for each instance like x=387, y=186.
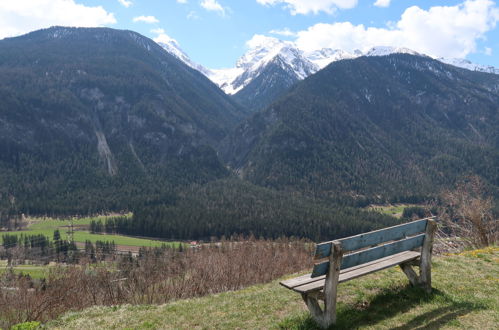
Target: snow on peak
x=386, y=50
x=325, y=56
x=262, y=51
x=260, y=47
x=466, y=64
x=172, y=47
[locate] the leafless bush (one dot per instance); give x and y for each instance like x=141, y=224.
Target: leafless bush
x=467, y=214
x=155, y=276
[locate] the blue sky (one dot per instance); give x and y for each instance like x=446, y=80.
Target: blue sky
x=215, y=33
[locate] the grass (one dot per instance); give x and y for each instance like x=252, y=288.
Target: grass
x=465, y=296
x=46, y=227
x=35, y=271
x=393, y=210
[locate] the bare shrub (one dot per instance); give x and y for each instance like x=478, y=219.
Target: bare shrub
x=156, y=276
x=467, y=213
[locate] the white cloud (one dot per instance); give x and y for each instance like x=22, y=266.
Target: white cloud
x=259, y=40
x=382, y=3
x=442, y=31
x=192, y=15
x=158, y=31
x=286, y=32
x=213, y=5
x=311, y=6
x=488, y=51
x=182, y=1
x=125, y=3
x=19, y=17
x=146, y=19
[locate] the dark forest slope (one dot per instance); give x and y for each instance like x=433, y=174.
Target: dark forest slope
x=91, y=118
x=388, y=126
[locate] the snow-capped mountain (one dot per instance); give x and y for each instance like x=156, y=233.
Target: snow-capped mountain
x=325, y=56
x=385, y=50
x=172, y=47
x=251, y=64
x=278, y=64
x=299, y=64
x=466, y=64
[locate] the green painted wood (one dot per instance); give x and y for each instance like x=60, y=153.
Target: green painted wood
x=356, y=242
x=374, y=253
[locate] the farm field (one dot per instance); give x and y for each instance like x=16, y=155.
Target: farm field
x=35, y=271
x=46, y=227
x=394, y=210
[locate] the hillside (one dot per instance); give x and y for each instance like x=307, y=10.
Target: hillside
x=386, y=126
x=97, y=119
x=462, y=299
x=230, y=207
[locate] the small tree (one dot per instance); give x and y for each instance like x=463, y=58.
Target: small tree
x=467, y=213
x=57, y=235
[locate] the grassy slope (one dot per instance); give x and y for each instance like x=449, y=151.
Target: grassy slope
x=465, y=296
x=47, y=226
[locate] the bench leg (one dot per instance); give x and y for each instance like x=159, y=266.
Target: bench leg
x=326, y=317
x=313, y=306
x=410, y=273
x=425, y=265
x=331, y=284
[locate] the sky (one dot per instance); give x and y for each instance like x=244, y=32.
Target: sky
x=215, y=33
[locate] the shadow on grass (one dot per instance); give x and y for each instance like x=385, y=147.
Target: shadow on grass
x=388, y=304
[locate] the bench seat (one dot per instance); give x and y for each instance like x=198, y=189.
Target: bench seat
x=307, y=284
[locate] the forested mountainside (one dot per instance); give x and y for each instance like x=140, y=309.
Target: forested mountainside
x=94, y=119
x=99, y=119
x=385, y=126
x=234, y=207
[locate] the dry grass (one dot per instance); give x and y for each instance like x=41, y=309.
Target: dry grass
x=464, y=297
x=155, y=277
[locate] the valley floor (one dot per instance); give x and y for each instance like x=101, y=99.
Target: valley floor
x=465, y=296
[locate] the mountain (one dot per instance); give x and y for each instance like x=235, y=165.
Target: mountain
x=385, y=127
x=93, y=118
x=264, y=73
x=325, y=56
x=270, y=68
x=172, y=47
x=466, y=64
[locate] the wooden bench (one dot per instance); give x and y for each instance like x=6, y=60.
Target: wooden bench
x=406, y=245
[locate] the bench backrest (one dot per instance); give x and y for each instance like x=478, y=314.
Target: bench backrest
x=405, y=237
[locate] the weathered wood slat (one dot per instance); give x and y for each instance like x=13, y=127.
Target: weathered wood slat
x=352, y=243
x=425, y=266
x=406, y=257
x=348, y=274
x=378, y=252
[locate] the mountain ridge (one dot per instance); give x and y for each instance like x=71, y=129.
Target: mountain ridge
x=373, y=125
x=103, y=111
x=251, y=64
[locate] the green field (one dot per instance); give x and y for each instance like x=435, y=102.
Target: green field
x=46, y=227
x=464, y=296
x=395, y=210
x=34, y=271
